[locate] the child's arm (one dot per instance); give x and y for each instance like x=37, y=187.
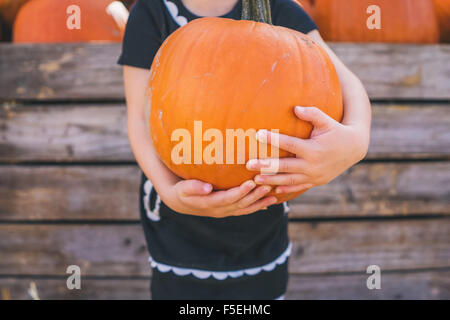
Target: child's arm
x=333, y=146
x=184, y=196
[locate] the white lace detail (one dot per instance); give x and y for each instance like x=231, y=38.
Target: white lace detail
x=151, y=214
x=173, y=10
x=222, y=275
x=286, y=208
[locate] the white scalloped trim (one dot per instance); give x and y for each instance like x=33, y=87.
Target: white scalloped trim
x=286, y=208
x=222, y=275
x=151, y=214
x=173, y=10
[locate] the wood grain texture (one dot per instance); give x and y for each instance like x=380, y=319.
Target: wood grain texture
x=399, y=71
x=107, y=193
x=90, y=72
x=380, y=189
x=69, y=193
x=405, y=285
x=401, y=285
x=41, y=204
x=60, y=72
x=326, y=247
x=353, y=246
x=64, y=133
x=91, y=289
x=410, y=131
x=96, y=133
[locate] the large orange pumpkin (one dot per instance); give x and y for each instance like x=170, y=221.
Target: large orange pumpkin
x=233, y=75
x=9, y=9
x=45, y=21
x=443, y=13
x=402, y=21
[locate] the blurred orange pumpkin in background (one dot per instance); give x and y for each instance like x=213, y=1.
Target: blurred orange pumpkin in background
x=9, y=10
x=443, y=13
x=402, y=21
x=45, y=21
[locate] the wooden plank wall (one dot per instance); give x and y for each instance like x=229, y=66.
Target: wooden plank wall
x=68, y=181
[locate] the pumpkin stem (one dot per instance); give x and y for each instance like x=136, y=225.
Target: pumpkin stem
x=256, y=10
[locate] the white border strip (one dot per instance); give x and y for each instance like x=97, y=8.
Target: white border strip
x=222, y=275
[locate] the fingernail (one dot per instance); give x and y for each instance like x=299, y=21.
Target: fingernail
x=299, y=109
x=278, y=190
x=265, y=208
x=267, y=189
x=250, y=184
x=251, y=164
x=261, y=135
x=273, y=201
x=259, y=179
x=264, y=162
x=207, y=187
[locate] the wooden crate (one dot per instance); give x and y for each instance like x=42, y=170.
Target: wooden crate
x=69, y=183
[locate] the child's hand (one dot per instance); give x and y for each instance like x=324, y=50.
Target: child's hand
x=197, y=198
x=332, y=149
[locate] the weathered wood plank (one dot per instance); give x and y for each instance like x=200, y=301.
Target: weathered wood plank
x=383, y=189
x=69, y=193
x=111, y=192
x=96, y=249
x=405, y=285
x=399, y=71
x=89, y=71
x=430, y=285
x=353, y=246
x=72, y=133
x=414, y=131
x=91, y=289
x=60, y=71
x=98, y=133
x=327, y=247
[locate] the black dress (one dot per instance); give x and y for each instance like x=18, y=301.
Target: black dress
x=192, y=257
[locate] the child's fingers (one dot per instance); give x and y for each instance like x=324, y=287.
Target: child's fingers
x=228, y=197
x=259, y=205
x=288, y=179
x=194, y=188
x=283, y=165
x=254, y=196
x=317, y=117
x=291, y=144
x=293, y=189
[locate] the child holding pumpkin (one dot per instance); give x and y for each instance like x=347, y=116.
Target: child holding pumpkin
x=230, y=244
